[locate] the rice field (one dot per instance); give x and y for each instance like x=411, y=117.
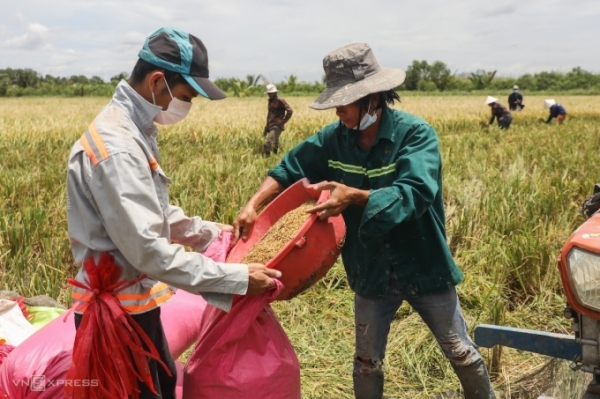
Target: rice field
x=512, y=199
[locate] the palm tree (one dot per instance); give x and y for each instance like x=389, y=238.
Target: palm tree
x=292, y=81
x=481, y=79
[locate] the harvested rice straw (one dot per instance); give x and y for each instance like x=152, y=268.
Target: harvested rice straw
x=278, y=235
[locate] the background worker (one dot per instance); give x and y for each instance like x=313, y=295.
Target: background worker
x=118, y=209
x=498, y=111
x=556, y=111
x=515, y=100
x=383, y=169
x=279, y=112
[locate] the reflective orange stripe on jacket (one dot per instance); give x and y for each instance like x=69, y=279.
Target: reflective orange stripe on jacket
x=96, y=150
x=94, y=147
x=135, y=303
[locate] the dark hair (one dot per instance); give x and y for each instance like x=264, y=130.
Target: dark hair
x=143, y=68
x=387, y=97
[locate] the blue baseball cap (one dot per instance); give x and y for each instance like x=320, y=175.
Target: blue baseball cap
x=178, y=51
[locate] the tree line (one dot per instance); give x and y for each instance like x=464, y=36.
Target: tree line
x=421, y=76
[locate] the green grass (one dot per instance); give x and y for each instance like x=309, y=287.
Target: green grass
x=512, y=199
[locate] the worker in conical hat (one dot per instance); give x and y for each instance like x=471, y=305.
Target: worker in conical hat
x=500, y=112
x=557, y=111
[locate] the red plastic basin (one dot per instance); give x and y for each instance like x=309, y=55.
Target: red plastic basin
x=312, y=251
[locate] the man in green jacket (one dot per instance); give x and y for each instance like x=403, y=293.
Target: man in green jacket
x=383, y=169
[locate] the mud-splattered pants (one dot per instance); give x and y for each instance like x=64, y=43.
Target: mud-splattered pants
x=442, y=314
x=271, y=140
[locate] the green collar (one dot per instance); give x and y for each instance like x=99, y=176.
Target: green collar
x=385, y=126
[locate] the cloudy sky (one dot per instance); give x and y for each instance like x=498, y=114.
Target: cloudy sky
x=278, y=38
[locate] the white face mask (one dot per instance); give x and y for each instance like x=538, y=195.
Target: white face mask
x=367, y=120
x=176, y=111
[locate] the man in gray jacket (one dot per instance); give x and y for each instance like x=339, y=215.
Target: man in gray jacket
x=118, y=201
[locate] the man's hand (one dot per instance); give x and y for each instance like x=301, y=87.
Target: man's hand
x=260, y=278
x=243, y=223
x=341, y=197
x=242, y=226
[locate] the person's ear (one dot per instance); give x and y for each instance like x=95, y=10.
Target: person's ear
x=154, y=79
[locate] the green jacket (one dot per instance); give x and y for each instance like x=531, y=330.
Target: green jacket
x=401, y=230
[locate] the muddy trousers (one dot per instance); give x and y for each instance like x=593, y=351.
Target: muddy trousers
x=442, y=314
x=163, y=383
x=271, y=140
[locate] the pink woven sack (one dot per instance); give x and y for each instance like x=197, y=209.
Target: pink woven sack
x=243, y=354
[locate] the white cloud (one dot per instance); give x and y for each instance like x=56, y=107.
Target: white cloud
x=279, y=38
x=35, y=38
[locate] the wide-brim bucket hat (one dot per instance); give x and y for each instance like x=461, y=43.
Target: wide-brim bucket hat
x=351, y=73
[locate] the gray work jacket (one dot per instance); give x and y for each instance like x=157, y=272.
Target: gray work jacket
x=118, y=202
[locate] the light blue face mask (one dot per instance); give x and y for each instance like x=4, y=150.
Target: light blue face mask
x=367, y=120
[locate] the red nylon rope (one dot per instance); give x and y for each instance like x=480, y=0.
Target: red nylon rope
x=108, y=354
